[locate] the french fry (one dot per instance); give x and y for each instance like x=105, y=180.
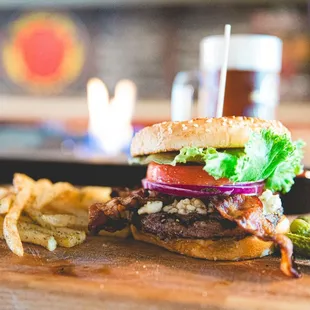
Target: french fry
x=21, y=181
x=44, y=213
x=6, y=203
x=36, y=216
x=66, y=220
x=1, y=227
x=66, y=199
x=25, y=219
x=43, y=193
x=10, y=230
x=59, y=198
x=57, y=220
x=65, y=237
x=30, y=234
x=44, y=182
x=92, y=194
x=4, y=192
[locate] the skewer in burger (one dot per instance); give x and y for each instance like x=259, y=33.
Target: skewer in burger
x=211, y=189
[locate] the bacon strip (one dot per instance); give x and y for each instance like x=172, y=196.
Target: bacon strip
x=286, y=247
x=115, y=214
x=112, y=215
x=247, y=212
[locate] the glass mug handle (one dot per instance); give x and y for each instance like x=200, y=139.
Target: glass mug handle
x=182, y=95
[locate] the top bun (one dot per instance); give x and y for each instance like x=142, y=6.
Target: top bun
x=223, y=132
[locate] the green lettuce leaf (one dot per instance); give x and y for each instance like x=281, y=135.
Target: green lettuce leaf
x=263, y=153
x=283, y=177
x=267, y=156
x=220, y=164
x=190, y=154
x=160, y=158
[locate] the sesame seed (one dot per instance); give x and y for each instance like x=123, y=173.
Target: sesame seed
x=209, y=120
x=196, y=125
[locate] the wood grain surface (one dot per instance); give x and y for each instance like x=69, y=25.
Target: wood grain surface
x=107, y=273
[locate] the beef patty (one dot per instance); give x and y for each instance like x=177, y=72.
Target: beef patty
x=191, y=226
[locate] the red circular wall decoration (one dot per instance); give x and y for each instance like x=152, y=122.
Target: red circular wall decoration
x=44, y=52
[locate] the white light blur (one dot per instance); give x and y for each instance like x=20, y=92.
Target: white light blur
x=307, y=174
x=110, y=120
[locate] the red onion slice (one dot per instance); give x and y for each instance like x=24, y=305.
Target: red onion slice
x=253, y=188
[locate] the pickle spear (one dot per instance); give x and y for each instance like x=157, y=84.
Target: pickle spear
x=300, y=235
x=300, y=227
x=301, y=244
x=305, y=218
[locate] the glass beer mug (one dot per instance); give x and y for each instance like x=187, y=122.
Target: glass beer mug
x=252, y=82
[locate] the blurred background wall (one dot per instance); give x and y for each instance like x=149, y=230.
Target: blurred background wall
x=146, y=41
x=49, y=50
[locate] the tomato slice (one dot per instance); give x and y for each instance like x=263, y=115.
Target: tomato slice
x=182, y=175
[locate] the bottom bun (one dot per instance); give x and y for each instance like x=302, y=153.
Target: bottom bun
x=124, y=233
x=222, y=249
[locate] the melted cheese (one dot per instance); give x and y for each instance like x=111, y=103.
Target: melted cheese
x=151, y=207
x=271, y=203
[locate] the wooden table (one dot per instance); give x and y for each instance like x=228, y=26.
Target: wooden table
x=107, y=273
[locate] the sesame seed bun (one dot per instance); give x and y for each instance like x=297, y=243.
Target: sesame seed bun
x=228, y=249
x=223, y=132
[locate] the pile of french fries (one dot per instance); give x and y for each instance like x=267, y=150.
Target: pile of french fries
x=46, y=214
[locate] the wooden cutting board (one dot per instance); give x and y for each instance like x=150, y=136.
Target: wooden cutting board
x=106, y=273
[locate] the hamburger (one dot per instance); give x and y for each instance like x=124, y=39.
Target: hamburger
x=211, y=190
